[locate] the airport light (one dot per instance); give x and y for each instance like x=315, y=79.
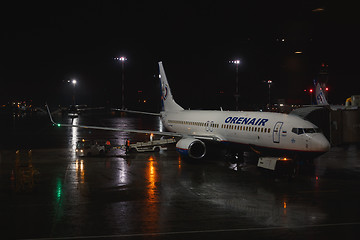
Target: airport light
x=319, y=9
x=73, y=82
x=237, y=63
x=311, y=97
x=122, y=59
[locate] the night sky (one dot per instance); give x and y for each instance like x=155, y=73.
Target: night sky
x=44, y=44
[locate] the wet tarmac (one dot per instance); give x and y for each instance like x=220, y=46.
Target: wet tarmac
x=162, y=196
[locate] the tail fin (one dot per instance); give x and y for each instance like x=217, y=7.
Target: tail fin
x=167, y=101
x=320, y=96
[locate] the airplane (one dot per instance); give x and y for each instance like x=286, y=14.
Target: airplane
x=265, y=133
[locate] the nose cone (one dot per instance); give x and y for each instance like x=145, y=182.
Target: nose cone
x=320, y=143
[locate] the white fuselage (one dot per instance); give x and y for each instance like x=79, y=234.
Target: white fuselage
x=265, y=130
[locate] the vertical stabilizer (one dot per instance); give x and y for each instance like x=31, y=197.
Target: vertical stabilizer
x=320, y=96
x=167, y=100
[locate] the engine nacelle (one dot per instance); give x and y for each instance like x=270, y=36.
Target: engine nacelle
x=191, y=147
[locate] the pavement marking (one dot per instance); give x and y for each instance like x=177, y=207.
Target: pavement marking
x=199, y=231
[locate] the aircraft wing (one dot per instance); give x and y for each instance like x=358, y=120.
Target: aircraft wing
x=137, y=112
x=112, y=129
x=170, y=134
x=89, y=109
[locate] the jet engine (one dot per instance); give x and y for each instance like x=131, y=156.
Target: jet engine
x=191, y=147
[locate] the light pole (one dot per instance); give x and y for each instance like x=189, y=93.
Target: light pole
x=236, y=62
x=122, y=60
x=73, y=82
x=269, y=82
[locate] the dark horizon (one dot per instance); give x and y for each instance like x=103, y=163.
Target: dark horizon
x=47, y=44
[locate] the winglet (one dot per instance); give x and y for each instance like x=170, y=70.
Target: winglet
x=48, y=110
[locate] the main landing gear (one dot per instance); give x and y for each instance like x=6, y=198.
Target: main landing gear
x=236, y=160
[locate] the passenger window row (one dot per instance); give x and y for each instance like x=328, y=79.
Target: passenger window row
x=199, y=124
x=245, y=128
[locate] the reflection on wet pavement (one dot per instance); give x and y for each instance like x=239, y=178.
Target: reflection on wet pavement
x=161, y=195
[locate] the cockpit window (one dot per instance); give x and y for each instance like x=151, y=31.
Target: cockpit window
x=299, y=131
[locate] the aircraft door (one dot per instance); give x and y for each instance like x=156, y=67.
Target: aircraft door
x=277, y=132
x=209, y=126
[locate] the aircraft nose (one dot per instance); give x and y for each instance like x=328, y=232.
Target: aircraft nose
x=321, y=143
